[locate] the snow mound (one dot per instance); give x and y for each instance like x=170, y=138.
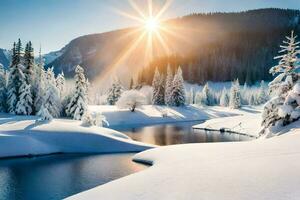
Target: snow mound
x=23, y=136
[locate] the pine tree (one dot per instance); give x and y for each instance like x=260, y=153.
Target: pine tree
x=287, y=77
x=158, y=96
x=206, y=97
x=235, y=95
x=114, y=92
x=262, y=94
x=24, y=105
x=39, y=83
x=3, y=97
x=60, y=84
x=44, y=114
x=78, y=104
x=29, y=70
x=178, y=91
x=16, y=77
x=224, y=100
x=287, y=66
x=169, y=85
x=51, y=100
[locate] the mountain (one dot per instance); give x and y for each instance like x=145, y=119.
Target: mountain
x=214, y=46
x=4, y=57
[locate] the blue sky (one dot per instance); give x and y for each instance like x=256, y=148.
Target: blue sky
x=53, y=23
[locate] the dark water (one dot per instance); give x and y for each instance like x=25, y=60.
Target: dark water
x=59, y=176
x=179, y=133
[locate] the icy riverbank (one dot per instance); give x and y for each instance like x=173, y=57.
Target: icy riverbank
x=247, y=122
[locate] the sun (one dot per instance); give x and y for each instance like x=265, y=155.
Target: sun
x=151, y=24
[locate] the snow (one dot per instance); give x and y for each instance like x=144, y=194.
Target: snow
x=24, y=135
x=259, y=169
x=149, y=114
x=246, y=122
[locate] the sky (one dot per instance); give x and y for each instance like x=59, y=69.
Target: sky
x=54, y=23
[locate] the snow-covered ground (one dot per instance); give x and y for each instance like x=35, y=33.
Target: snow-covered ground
x=259, y=169
x=247, y=122
x=23, y=135
x=149, y=114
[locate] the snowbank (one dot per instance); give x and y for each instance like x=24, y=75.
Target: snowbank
x=247, y=122
x=149, y=114
x=22, y=135
x=260, y=169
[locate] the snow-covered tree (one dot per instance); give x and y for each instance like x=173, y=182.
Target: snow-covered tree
x=25, y=102
x=178, y=91
x=78, y=104
x=39, y=83
x=29, y=70
x=224, y=99
x=169, y=85
x=16, y=77
x=60, y=84
x=287, y=66
x=114, y=92
x=235, y=95
x=190, y=97
x=2, y=89
x=131, y=99
x=252, y=100
x=206, y=97
x=51, y=100
x=287, y=76
x=44, y=114
x=24, y=105
x=158, y=97
x=262, y=96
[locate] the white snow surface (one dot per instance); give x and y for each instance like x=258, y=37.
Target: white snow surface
x=23, y=136
x=247, y=122
x=149, y=114
x=260, y=169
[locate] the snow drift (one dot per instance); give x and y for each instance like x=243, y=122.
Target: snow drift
x=23, y=136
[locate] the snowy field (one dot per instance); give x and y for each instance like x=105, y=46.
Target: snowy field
x=260, y=169
x=149, y=114
x=23, y=136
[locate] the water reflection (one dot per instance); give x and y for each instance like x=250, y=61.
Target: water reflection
x=179, y=133
x=59, y=176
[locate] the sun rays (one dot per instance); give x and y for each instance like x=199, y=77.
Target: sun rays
x=149, y=34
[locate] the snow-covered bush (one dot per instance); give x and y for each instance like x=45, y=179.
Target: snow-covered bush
x=93, y=119
x=131, y=99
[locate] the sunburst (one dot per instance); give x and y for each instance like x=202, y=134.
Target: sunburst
x=152, y=32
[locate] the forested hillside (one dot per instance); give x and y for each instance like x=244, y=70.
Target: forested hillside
x=243, y=47
x=215, y=47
